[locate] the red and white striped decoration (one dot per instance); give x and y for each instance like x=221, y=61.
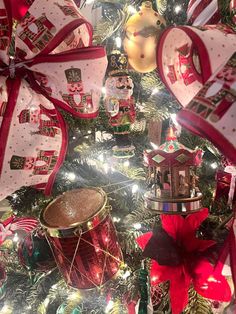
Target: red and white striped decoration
x=11, y=225
x=203, y=12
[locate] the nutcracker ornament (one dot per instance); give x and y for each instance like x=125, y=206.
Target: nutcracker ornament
x=141, y=36
x=119, y=103
x=172, y=179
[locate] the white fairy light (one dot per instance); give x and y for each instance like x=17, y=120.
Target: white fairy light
x=214, y=165
x=126, y=274
x=71, y=176
x=135, y=188
x=101, y=157
x=137, y=226
x=14, y=196
x=109, y=306
x=155, y=91
x=106, y=167
x=126, y=164
x=104, y=90
x=118, y=42
x=116, y=219
x=15, y=238
x=178, y=8
x=131, y=9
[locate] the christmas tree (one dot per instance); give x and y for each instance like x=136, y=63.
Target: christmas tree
x=117, y=160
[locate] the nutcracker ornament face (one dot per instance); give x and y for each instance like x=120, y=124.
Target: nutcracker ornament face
x=120, y=87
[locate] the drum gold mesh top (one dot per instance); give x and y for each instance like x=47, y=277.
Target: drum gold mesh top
x=74, y=207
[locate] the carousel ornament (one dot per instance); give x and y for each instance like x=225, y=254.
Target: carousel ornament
x=141, y=36
x=171, y=177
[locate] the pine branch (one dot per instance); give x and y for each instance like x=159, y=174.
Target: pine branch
x=197, y=304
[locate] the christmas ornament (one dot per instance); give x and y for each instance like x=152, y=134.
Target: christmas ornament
x=3, y=280
x=141, y=35
x=223, y=180
x=51, y=67
x=119, y=103
x=179, y=257
x=63, y=309
x=34, y=252
x=13, y=225
x=206, y=92
x=83, y=238
x=172, y=178
x=203, y=12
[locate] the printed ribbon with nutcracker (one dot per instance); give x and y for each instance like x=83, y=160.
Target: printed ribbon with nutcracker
x=52, y=66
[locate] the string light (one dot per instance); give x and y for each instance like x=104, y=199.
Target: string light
x=15, y=238
x=135, y=188
x=106, y=167
x=109, y=306
x=116, y=219
x=131, y=9
x=14, y=196
x=71, y=176
x=104, y=90
x=155, y=91
x=137, y=226
x=214, y=165
x=178, y=9
x=118, y=42
x=126, y=164
x=126, y=274
x=101, y=157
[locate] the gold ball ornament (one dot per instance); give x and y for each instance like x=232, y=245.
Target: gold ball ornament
x=142, y=32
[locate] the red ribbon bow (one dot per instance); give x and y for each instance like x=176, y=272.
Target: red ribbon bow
x=51, y=67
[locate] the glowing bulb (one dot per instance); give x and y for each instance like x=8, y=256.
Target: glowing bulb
x=74, y=138
x=104, y=90
x=178, y=9
x=155, y=91
x=126, y=164
x=14, y=196
x=214, y=165
x=131, y=9
x=134, y=188
x=71, y=176
x=116, y=219
x=101, y=157
x=106, y=167
x=109, y=306
x=118, y=42
x=173, y=118
x=154, y=146
x=137, y=226
x=126, y=274
x=15, y=238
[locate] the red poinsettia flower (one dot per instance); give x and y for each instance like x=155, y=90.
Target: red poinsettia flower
x=178, y=256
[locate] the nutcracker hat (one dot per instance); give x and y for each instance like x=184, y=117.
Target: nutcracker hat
x=200, y=71
x=17, y=162
x=73, y=75
x=117, y=64
x=24, y=116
